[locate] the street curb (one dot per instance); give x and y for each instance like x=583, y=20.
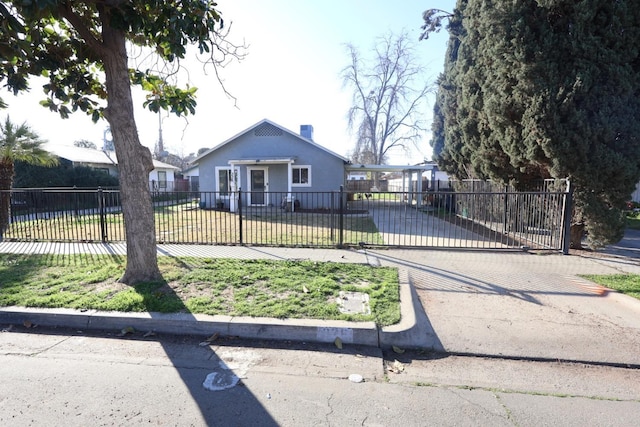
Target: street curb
x=364, y=333
x=404, y=334
x=414, y=331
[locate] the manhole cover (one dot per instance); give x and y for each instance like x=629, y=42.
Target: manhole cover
x=354, y=303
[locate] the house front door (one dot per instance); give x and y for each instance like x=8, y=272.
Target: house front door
x=259, y=184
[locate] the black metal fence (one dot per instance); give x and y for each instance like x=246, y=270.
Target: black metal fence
x=537, y=218
x=467, y=216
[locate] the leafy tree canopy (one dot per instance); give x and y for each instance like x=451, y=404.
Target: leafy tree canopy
x=17, y=143
x=20, y=143
x=546, y=89
x=82, y=50
x=63, y=175
x=62, y=41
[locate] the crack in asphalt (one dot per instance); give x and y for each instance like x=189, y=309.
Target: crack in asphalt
x=506, y=410
x=328, y=414
x=43, y=350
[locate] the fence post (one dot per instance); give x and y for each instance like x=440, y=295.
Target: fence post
x=568, y=206
x=240, y=212
x=332, y=216
x=5, y=197
x=341, y=218
x=76, y=208
x=505, y=222
x=103, y=225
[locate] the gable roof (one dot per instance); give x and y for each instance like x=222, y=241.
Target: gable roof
x=267, y=121
x=89, y=155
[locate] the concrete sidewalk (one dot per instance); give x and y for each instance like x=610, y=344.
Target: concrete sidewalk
x=524, y=305
x=497, y=304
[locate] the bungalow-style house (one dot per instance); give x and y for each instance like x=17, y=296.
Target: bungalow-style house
x=161, y=177
x=270, y=163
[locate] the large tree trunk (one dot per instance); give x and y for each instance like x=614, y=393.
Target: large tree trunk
x=134, y=164
x=6, y=180
x=576, y=233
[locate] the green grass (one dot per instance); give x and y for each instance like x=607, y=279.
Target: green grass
x=184, y=223
x=257, y=288
x=628, y=284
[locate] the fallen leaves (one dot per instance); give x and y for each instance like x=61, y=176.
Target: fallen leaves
x=209, y=340
x=126, y=331
x=338, y=343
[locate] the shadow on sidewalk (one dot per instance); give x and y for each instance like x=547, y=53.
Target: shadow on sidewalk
x=523, y=286
x=214, y=385
x=469, y=283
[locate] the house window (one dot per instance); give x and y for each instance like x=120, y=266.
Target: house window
x=301, y=176
x=223, y=178
x=105, y=170
x=162, y=179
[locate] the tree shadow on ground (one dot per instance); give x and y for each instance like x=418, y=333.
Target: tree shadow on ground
x=213, y=385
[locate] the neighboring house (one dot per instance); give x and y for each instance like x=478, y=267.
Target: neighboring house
x=270, y=163
x=192, y=174
x=353, y=176
x=78, y=156
x=161, y=177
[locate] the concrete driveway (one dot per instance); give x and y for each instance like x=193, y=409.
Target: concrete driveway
x=403, y=225
x=521, y=305
x=628, y=247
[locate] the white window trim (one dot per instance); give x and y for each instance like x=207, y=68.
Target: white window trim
x=308, y=184
x=162, y=183
x=230, y=190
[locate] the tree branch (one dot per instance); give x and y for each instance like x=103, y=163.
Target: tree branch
x=79, y=25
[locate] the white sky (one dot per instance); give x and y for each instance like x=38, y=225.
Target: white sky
x=291, y=76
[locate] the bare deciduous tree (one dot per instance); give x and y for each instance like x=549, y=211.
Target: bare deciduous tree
x=389, y=93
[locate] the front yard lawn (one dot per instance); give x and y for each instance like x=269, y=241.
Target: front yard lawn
x=257, y=288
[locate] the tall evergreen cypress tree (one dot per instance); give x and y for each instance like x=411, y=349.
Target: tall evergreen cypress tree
x=534, y=89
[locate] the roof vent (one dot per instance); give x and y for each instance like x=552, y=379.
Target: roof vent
x=306, y=131
x=266, y=129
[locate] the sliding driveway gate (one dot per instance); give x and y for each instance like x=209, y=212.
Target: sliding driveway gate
x=468, y=215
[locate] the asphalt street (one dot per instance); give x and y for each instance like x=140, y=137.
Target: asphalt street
x=498, y=338
x=76, y=378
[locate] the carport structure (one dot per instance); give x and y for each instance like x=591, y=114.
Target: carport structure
x=469, y=214
x=410, y=174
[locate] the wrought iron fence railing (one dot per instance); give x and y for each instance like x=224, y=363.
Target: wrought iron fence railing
x=457, y=218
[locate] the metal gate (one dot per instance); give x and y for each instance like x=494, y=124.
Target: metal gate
x=467, y=214
x=471, y=215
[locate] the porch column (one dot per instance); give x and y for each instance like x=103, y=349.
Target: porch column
x=289, y=203
x=233, y=186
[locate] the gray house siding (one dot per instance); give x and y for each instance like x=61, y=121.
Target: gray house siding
x=271, y=148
